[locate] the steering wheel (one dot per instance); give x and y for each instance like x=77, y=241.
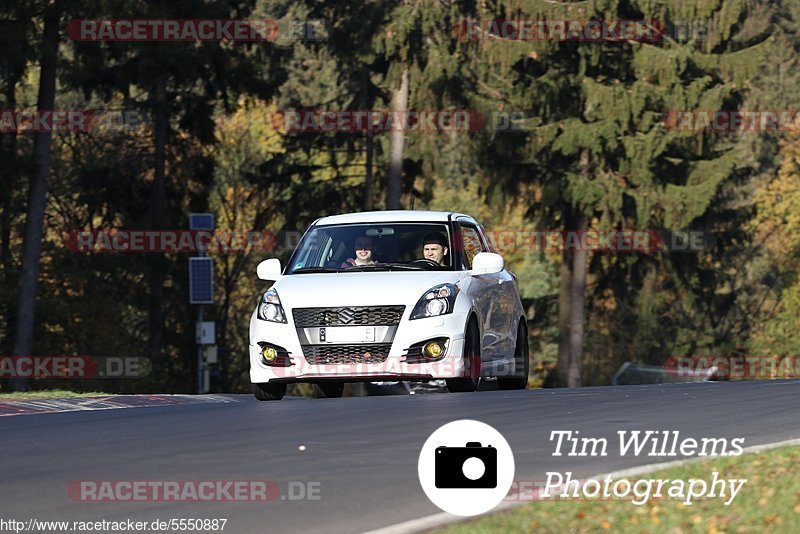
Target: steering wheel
x=425, y=261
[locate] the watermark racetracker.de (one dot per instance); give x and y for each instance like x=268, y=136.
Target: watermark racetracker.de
x=211, y=241
x=732, y=121
x=412, y=120
x=70, y=121
x=574, y=30
x=193, y=490
x=276, y=31
x=509, y=240
x=730, y=367
x=76, y=367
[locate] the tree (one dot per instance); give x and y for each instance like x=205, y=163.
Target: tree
x=16, y=51
x=37, y=193
x=776, y=225
x=178, y=85
x=246, y=140
x=598, y=146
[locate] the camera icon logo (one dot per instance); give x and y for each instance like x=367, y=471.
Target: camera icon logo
x=464, y=476
x=472, y=466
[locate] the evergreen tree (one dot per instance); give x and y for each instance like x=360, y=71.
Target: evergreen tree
x=601, y=150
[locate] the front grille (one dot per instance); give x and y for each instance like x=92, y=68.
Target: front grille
x=342, y=354
x=348, y=316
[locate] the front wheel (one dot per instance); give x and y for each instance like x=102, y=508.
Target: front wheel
x=521, y=362
x=267, y=391
x=472, y=363
x=328, y=390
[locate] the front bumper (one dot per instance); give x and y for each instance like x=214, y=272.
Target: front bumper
x=393, y=367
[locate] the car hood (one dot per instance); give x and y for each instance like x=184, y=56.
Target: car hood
x=358, y=289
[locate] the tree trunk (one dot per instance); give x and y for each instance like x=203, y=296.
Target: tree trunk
x=158, y=220
x=366, y=103
x=9, y=172
x=37, y=195
x=577, y=311
x=368, y=177
x=394, y=188
x=564, y=314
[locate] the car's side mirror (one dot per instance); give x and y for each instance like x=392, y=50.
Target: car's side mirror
x=270, y=269
x=486, y=263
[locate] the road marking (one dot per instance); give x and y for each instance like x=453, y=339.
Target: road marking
x=109, y=402
x=443, y=518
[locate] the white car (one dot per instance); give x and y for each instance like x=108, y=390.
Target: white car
x=329, y=318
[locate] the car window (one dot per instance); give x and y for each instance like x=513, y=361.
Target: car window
x=315, y=248
x=472, y=244
x=491, y=246
x=332, y=246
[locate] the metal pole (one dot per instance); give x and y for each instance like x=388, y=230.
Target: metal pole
x=199, y=354
x=200, y=344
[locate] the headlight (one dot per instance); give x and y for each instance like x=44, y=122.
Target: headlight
x=438, y=300
x=270, y=309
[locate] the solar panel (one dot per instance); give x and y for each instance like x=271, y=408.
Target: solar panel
x=201, y=280
x=201, y=221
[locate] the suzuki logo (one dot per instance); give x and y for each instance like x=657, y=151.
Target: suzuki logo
x=346, y=315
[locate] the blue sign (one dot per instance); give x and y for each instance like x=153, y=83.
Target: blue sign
x=201, y=221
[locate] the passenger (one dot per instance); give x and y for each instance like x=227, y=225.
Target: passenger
x=434, y=247
x=364, y=247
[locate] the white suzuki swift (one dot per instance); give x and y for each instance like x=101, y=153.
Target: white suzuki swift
x=385, y=296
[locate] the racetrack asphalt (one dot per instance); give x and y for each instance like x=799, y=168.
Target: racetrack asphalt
x=362, y=451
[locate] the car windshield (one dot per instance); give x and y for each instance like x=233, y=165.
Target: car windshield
x=374, y=247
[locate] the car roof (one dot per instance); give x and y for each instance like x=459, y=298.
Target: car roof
x=390, y=216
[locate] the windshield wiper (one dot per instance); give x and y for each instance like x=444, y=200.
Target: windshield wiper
x=351, y=268
x=382, y=267
x=360, y=268
x=303, y=270
x=402, y=266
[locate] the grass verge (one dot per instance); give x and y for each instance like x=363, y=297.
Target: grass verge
x=768, y=502
x=48, y=394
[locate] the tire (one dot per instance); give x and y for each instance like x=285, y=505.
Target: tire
x=328, y=390
x=472, y=361
x=521, y=362
x=267, y=391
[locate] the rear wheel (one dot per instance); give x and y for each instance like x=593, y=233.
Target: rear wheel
x=521, y=362
x=267, y=391
x=328, y=390
x=472, y=362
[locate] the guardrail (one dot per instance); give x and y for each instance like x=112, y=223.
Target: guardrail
x=630, y=374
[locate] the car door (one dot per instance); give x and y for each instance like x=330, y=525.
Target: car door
x=506, y=303
x=485, y=289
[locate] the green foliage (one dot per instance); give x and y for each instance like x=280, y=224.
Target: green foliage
x=595, y=143
x=776, y=225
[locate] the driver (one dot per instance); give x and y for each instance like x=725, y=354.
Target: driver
x=434, y=247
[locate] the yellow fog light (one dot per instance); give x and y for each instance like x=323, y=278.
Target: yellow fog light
x=269, y=354
x=433, y=349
